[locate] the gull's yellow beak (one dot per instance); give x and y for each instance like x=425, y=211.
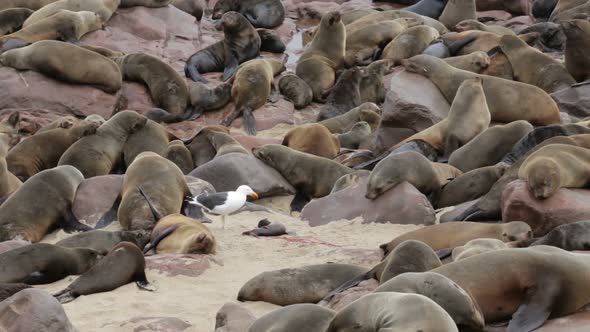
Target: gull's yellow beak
x=253, y=196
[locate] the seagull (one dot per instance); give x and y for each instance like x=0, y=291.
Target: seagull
x=224, y=203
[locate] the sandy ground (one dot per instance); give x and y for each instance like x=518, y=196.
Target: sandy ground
x=196, y=300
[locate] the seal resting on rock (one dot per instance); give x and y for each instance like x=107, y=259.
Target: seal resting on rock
x=261, y=13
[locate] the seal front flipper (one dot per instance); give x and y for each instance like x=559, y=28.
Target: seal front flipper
x=249, y=121
x=71, y=224
x=191, y=71
x=161, y=236
x=536, y=307
x=444, y=253
x=110, y=215
x=65, y=296
x=142, y=282
x=299, y=201
x=231, y=66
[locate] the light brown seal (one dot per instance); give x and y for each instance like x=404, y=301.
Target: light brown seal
x=410, y=42
x=179, y=154
x=104, y=8
x=476, y=247
x=368, y=112
x=475, y=62
x=178, y=234
x=577, y=46
x=392, y=15
x=471, y=24
x=312, y=138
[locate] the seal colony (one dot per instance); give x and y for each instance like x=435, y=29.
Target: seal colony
x=381, y=114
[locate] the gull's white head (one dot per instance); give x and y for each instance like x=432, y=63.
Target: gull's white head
x=245, y=190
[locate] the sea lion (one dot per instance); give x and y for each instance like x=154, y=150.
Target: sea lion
x=308, y=284
x=533, y=67
x=12, y=19
x=261, y=13
x=66, y=62
x=64, y=25
x=43, y=150
x=177, y=234
x=459, y=233
x=323, y=55
x=357, y=135
x=122, y=265
x=312, y=176
x=191, y=7
x=312, y=138
x=30, y=4
x=267, y=228
x=252, y=87
x=22, y=219
x=204, y=98
x=476, y=247
x=475, y=62
x=577, y=47
x=446, y=293
x=295, y=317
x=200, y=145
x=223, y=144
x=345, y=95
x=295, y=90
x=469, y=186
x=105, y=147
x=384, y=312
x=241, y=43
x=168, y=89
x=179, y=154
x=525, y=285
x=104, y=8
x=44, y=263
x=568, y=237
x=555, y=166
x=490, y=146
x=371, y=88
x=104, y=241
x=368, y=112
x=152, y=137
x=471, y=24
x=409, y=256
x=410, y=42
x=270, y=41
x=504, y=98
x=145, y=3
x=456, y=11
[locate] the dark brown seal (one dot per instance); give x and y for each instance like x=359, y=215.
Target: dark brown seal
x=345, y=95
x=577, y=46
x=295, y=90
x=261, y=13
x=12, y=19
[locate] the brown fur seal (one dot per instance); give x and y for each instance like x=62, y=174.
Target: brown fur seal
x=104, y=241
x=312, y=176
x=312, y=138
x=357, y=135
x=270, y=41
x=392, y=15
x=568, y=237
x=577, y=47
x=12, y=19
x=267, y=228
x=458, y=233
x=200, y=145
x=385, y=312
x=191, y=7
x=145, y=3
x=43, y=150
x=469, y=186
x=323, y=55
x=251, y=89
x=66, y=62
x=204, y=99
x=20, y=219
x=368, y=112
x=345, y=95
x=504, y=98
x=64, y=25
x=295, y=90
x=123, y=264
x=107, y=52
x=467, y=25
x=490, y=146
x=475, y=62
x=446, y=293
x=477, y=247
x=372, y=89
x=410, y=42
x=43, y=263
x=177, y=234
x=168, y=89
x=30, y=4
x=99, y=154
x=289, y=318
x=241, y=43
x=152, y=137
x=104, y=8
x=533, y=67
x=223, y=144
x=62, y=122
x=261, y=13
x=526, y=286
x=555, y=166
x=409, y=256
x=456, y=11
x=308, y=284
x=179, y=154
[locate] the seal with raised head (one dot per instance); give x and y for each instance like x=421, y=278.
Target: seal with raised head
x=312, y=138
x=99, y=154
x=12, y=19
x=261, y=13
x=368, y=112
x=104, y=8
x=289, y=318
x=122, y=265
x=372, y=89
x=344, y=95
x=204, y=98
x=241, y=43
x=104, y=241
x=577, y=47
x=44, y=263
x=252, y=87
x=21, y=219
x=66, y=62
x=200, y=145
x=295, y=90
x=312, y=176
x=323, y=55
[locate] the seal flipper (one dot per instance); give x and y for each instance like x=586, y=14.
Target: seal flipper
x=249, y=121
x=142, y=282
x=231, y=66
x=65, y=296
x=299, y=201
x=161, y=236
x=444, y=253
x=274, y=93
x=536, y=307
x=191, y=71
x=110, y=215
x=71, y=224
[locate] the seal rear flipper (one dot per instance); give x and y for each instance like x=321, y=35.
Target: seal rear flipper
x=71, y=224
x=536, y=307
x=249, y=122
x=299, y=201
x=197, y=112
x=142, y=282
x=65, y=296
x=110, y=215
x=161, y=236
x=444, y=253
x=234, y=115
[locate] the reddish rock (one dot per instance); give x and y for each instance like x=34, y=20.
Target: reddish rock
x=350, y=295
x=564, y=207
x=403, y=204
x=574, y=101
x=198, y=186
x=174, y=264
x=233, y=317
x=95, y=196
x=33, y=310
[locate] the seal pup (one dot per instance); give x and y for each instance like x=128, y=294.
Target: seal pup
x=296, y=167
x=312, y=138
x=380, y=312
x=61, y=122
x=357, y=135
x=344, y=95
x=270, y=41
x=295, y=317
x=67, y=62
x=44, y=263
x=104, y=241
x=122, y=265
x=253, y=86
x=106, y=146
x=577, y=46
x=410, y=42
x=295, y=90
x=267, y=228
x=104, y=8
x=371, y=88
x=261, y=13
x=179, y=154
x=204, y=98
x=12, y=19
x=20, y=219
x=323, y=55
x=200, y=145
x=241, y=43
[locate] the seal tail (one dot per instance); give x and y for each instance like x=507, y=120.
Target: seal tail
x=65, y=296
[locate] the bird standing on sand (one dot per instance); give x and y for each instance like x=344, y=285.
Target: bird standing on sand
x=224, y=203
